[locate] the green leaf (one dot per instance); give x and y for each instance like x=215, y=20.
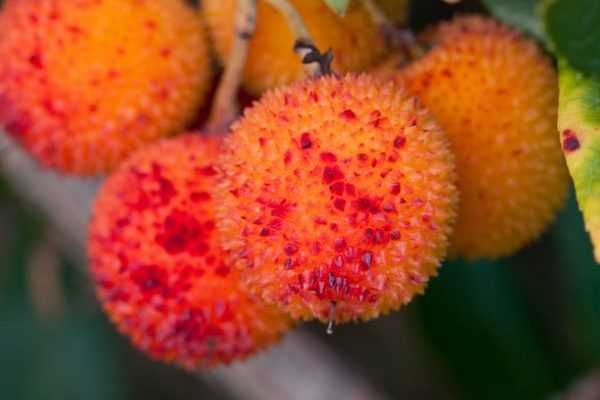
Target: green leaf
x=338, y=6
x=573, y=27
x=580, y=279
x=519, y=13
x=67, y=359
x=579, y=127
x=473, y=315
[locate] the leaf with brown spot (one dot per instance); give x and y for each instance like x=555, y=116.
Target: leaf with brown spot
x=579, y=129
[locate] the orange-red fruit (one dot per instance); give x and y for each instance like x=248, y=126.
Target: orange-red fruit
x=159, y=270
x=495, y=94
x=337, y=191
x=354, y=39
x=84, y=83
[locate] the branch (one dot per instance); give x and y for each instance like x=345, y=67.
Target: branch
x=316, y=63
x=225, y=108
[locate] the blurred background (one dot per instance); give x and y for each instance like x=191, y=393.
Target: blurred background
x=527, y=327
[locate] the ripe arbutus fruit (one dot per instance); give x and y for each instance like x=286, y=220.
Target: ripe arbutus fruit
x=495, y=95
x=339, y=193
x=354, y=39
x=159, y=270
x=84, y=83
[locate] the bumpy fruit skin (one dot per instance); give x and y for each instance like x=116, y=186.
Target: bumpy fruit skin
x=337, y=190
x=84, y=83
x=354, y=39
x=159, y=270
x=495, y=94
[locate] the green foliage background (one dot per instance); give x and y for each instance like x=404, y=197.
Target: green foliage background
x=522, y=328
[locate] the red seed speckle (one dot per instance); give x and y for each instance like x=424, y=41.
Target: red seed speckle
x=339, y=244
x=320, y=221
x=200, y=196
x=182, y=232
x=350, y=189
x=36, y=60
x=349, y=253
x=328, y=157
x=338, y=261
x=340, y=204
x=149, y=278
x=209, y=170
x=389, y=207
x=223, y=270
x=290, y=101
x=290, y=249
x=287, y=157
x=280, y=209
x=316, y=247
x=380, y=236
x=276, y=224
x=363, y=204
x=305, y=141
x=337, y=188
x=366, y=259
x=348, y=115
x=332, y=174
x=289, y=263
x=150, y=24
x=399, y=142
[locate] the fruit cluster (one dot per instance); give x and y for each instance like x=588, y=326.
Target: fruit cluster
x=334, y=197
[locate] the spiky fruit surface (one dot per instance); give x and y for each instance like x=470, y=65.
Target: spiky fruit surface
x=337, y=190
x=159, y=270
x=354, y=39
x=495, y=94
x=84, y=83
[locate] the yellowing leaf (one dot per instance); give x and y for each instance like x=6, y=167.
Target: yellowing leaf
x=579, y=128
x=338, y=6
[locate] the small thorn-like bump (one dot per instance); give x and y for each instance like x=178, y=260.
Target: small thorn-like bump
x=331, y=322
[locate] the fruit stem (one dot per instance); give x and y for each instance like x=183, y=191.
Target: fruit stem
x=331, y=318
x=311, y=56
x=304, y=44
x=225, y=107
